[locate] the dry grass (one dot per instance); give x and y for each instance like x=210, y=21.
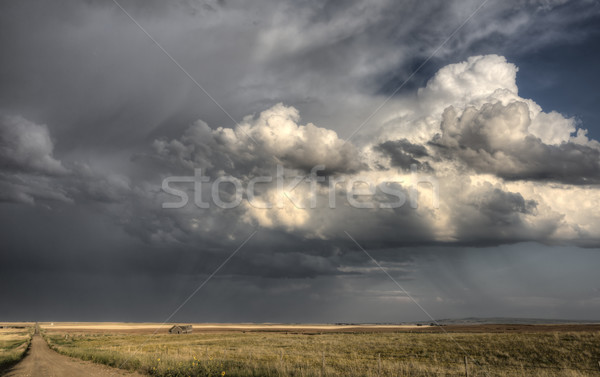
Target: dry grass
x=204, y=327
x=344, y=354
x=13, y=344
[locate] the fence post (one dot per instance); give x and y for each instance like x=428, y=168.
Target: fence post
x=466, y=368
x=379, y=364
x=323, y=367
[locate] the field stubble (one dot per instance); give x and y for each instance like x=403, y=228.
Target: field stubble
x=238, y=353
x=13, y=345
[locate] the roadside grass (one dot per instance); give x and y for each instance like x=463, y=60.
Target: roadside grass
x=13, y=346
x=279, y=354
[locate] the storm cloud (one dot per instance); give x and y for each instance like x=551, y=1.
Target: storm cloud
x=94, y=117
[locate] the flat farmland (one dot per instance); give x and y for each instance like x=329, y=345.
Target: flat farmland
x=334, y=350
x=14, y=340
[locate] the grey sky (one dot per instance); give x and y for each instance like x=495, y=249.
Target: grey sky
x=93, y=116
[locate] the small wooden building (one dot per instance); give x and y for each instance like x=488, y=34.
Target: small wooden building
x=181, y=329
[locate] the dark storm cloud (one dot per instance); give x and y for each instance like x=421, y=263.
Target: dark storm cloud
x=88, y=72
x=84, y=90
x=491, y=214
x=27, y=147
x=502, y=206
x=29, y=170
x=404, y=154
x=53, y=274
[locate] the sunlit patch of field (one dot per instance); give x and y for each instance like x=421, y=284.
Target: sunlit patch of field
x=207, y=327
x=14, y=340
x=402, y=352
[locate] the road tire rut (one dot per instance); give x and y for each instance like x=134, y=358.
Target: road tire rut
x=41, y=361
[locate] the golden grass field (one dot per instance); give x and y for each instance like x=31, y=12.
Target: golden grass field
x=327, y=350
x=14, y=343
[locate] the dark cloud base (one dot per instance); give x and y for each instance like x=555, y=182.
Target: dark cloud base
x=94, y=116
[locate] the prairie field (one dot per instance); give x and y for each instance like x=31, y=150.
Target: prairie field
x=253, y=350
x=13, y=344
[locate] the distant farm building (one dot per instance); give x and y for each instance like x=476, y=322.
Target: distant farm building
x=181, y=329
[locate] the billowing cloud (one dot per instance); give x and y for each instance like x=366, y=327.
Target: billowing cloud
x=30, y=172
x=457, y=157
x=274, y=136
x=476, y=180
x=496, y=139
x=28, y=168
x=470, y=113
x=27, y=147
x=477, y=134
x=454, y=187
x=478, y=79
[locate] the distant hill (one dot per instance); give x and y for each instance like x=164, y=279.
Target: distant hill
x=507, y=321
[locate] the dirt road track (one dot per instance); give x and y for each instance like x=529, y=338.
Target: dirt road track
x=41, y=361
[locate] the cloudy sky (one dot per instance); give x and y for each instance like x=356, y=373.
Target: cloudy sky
x=451, y=143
